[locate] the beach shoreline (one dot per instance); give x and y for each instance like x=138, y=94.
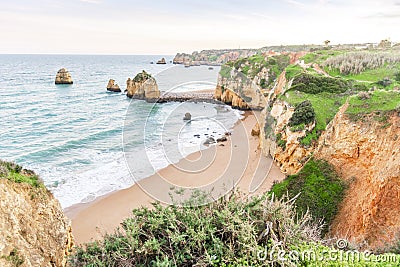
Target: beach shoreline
x=238, y=162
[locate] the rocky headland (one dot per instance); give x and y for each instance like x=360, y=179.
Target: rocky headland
x=310, y=114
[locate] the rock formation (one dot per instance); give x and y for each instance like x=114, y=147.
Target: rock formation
x=143, y=86
x=162, y=61
x=112, y=86
x=366, y=155
x=33, y=228
x=63, y=77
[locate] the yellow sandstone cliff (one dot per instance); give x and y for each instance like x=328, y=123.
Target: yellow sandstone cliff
x=34, y=230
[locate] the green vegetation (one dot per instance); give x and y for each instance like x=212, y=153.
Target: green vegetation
x=318, y=188
x=292, y=71
x=14, y=258
x=325, y=106
x=225, y=71
x=253, y=65
x=142, y=76
x=358, y=62
x=378, y=102
x=281, y=143
x=314, y=84
x=303, y=114
x=15, y=173
x=227, y=232
x=320, y=56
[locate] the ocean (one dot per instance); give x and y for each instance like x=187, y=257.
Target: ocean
x=74, y=136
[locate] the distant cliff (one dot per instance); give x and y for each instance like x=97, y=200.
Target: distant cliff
x=34, y=230
x=222, y=56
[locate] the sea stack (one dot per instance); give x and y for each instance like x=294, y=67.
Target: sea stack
x=162, y=61
x=113, y=87
x=63, y=77
x=143, y=86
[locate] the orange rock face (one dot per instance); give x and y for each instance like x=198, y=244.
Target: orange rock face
x=367, y=156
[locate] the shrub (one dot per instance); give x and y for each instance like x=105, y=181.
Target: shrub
x=357, y=62
x=314, y=84
x=397, y=76
x=303, y=114
x=385, y=82
x=15, y=173
x=228, y=232
x=319, y=191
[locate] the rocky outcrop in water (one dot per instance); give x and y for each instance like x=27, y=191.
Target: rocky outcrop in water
x=143, y=86
x=63, y=77
x=162, y=61
x=112, y=86
x=34, y=230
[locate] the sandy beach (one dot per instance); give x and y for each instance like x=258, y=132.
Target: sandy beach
x=237, y=163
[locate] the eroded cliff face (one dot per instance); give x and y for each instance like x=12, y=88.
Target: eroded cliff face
x=34, y=230
x=280, y=142
x=366, y=155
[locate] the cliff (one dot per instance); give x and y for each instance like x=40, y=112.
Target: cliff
x=34, y=230
x=312, y=110
x=365, y=154
x=143, y=86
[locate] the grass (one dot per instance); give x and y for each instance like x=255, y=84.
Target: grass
x=379, y=104
x=319, y=191
x=325, y=106
x=15, y=173
x=292, y=71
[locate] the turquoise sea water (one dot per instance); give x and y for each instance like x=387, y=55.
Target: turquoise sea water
x=72, y=134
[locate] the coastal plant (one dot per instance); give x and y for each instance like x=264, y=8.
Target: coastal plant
x=228, y=232
x=303, y=114
x=15, y=173
x=14, y=258
x=358, y=62
x=318, y=188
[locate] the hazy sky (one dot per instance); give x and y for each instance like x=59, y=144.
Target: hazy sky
x=170, y=26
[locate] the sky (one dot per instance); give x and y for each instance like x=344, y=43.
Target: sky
x=163, y=27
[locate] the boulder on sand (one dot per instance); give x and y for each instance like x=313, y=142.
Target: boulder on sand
x=209, y=141
x=63, y=77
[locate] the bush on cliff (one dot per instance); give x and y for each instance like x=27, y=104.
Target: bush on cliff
x=315, y=84
x=319, y=191
x=15, y=173
x=303, y=114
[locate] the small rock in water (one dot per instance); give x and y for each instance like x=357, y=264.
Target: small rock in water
x=63, y=77
x=113, y=87
x=228, y=133
x=187, y=117
x=209, y=140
